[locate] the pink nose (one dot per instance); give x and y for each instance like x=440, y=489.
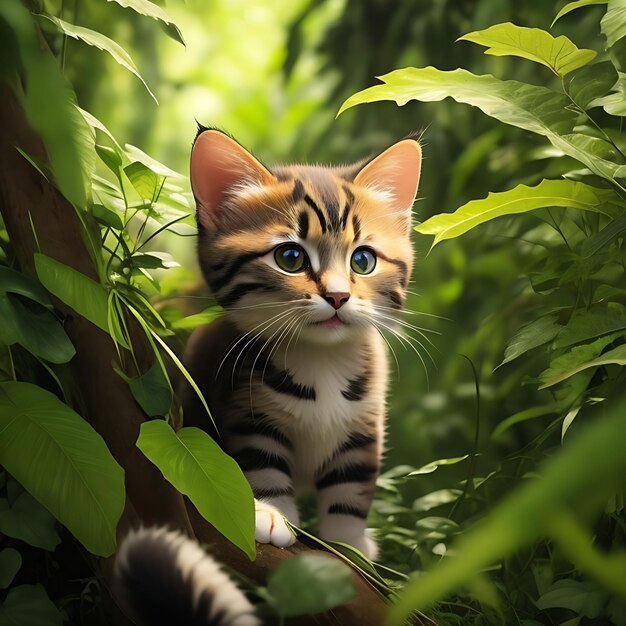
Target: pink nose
x=337, y=299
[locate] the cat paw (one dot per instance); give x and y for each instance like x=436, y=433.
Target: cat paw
x=271, y=526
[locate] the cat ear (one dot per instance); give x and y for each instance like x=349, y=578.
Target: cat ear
x=218, y=163
x=395, y=171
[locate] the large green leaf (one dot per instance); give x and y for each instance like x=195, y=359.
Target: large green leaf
x=63, y=462
x=309, y=584
x=563, y=369
x=533, y=335
x=29, y=521
x=560, y=54
x=198, y=468
x=29, y=605
x=586, y=85
x=145, y=7
x=521, y=199
x=613, y=24
x=532, y=108
x=530, y=513
x=152, y=391
x=577, y=4
x=614, y=103
x=49, y=103
x=85, y=296
x=100, y=41
x=588, y=324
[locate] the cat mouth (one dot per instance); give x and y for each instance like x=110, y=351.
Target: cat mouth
x=331, y=322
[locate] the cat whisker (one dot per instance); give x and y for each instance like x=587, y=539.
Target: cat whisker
x=393, y=352
x=418, y=329
x=267, y=305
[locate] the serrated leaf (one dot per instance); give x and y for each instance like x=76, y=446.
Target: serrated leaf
x=581, y=358
x=588, y=324
x=571, y=6
x=429, y=468
x=533, y=335
x=152, y=392
x=532, y=108
x=149, y=9
x=10, y=564
x=560, y=54
x=29, y=521
x=309, y=583
x=613, y=23
x=63, y=462
x=100, y=41
x=87, y=297
x=29, y=605
x=213, y=481
x=521, y=199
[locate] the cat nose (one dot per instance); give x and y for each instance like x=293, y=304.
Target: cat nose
x=337, y=299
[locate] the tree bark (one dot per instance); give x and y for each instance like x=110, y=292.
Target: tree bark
x=102, y=397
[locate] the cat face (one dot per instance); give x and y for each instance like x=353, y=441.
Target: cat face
x=304, y=253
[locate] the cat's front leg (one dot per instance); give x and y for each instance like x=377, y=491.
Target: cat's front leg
x=345, y=488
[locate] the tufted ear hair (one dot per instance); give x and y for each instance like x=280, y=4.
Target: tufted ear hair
x=395, y=171
x=218, y=165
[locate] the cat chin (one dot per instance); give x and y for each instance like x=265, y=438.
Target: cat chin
x=324, y=335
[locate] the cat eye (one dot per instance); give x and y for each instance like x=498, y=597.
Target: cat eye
x=291, y=258
x=363, y=261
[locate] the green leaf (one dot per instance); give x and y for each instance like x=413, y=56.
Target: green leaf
x=49, y=104
x=143, y=179
x=29, y=521
x=107, y=217
x=530, y=512
x=429, y=468
x=436, y=498
x=521, y=199
x=591, y=323
x=571, y=6
x=532, y=108
x=560, y=54
x=152, y=392
x=29, y=605
x=562, y=369
x=589, y=83
x=87, y=297
x=15, y=282
x=10, y=564
x=63, y=462
x=309, y=583
x=601, y=239
x=585, y=598
x=100, y=41
x=35, y=328
x=145, y=7
x=533, y=335
x=614, y=103
x=523, y=416
x=213, y=481
x=613, y=24
x=135, y=154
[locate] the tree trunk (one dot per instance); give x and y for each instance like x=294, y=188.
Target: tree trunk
x=102, y=397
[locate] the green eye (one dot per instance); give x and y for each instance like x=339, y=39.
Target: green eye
x=363, y=261
x=290, y=257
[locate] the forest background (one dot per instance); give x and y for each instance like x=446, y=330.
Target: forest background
x=512, y=368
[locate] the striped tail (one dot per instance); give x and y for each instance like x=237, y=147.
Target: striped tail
x=163, y=578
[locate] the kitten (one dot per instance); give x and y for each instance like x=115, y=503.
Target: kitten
x=309, y=263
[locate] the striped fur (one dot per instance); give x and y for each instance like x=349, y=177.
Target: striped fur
x=163, y=578
x=299, y=397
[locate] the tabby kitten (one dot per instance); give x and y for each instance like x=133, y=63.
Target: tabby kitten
x=309, y=263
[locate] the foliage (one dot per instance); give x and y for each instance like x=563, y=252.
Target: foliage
x=521, y=518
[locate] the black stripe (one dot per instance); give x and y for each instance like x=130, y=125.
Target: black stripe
x=332, y=210
x=404, y=270
x=354, y=441
x=283, y=382
x=258, y=424
x=393, y=296
x=359, y=473
x=349, y=194
x=344, y=217
x=346, y=509
x=303, y=225
x=275, y=492
x=356, y=225
x=357, y=388
x=320, y=215
x=250, y=459
x=298, y=191
x=240, y=291
x=220, y=282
